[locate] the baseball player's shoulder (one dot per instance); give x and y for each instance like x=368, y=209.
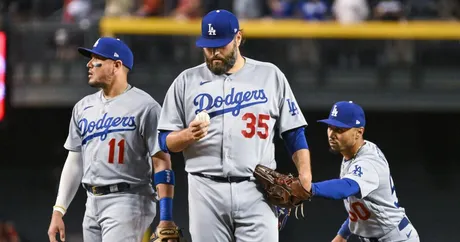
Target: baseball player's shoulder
x=371, y=153
x=142, y=97
x=87, y=101
x=263, y=66
x=192, y=73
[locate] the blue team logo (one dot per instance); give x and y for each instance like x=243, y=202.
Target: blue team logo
x=234, y=101
x=104, y=126
x=357, y=171
x=292, y=107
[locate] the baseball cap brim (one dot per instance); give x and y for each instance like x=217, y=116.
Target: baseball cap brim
x=87, y=53
x=212, y=43
x=334, y=122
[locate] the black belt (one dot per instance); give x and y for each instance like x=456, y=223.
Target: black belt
x=403, y=224
x=223, y=179
x=103, y=190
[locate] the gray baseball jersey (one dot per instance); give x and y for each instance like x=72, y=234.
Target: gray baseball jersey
x=116, y=137
x=245, y=109
x=377, y=212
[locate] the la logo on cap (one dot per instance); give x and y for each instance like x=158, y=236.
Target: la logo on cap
x=211, y=30
x=334, y=111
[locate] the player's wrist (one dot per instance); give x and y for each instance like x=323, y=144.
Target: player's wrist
x=59, y=211
x=166, y=207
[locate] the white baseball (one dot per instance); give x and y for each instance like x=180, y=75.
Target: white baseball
x=202, y=116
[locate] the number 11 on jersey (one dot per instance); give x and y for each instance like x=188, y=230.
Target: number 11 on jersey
x=121, y=150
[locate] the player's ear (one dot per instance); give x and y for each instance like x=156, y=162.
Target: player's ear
x=118, y=66
x=359, y=132
x=239, y=38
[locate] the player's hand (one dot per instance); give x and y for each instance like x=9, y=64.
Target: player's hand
x=56, y=226
x=168, y=224
x=339, y=238
x=198, y=129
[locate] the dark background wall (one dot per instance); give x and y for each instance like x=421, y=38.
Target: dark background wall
x=421, y=149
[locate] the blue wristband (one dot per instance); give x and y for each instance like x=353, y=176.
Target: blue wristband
x=166, y=206
x=164, y=177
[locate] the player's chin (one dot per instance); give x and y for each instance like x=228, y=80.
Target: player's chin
x=334, y=149
x=94, y=83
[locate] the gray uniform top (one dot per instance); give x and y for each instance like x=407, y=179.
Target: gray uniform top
x=116, y=137
x=378, y=211
x=245, y=107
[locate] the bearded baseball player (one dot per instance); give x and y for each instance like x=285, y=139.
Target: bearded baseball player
x=365, y=183
x=113, y=144
x=222, y=115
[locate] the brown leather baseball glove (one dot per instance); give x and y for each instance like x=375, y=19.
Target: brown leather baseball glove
x=281, y=190
x=165, y=234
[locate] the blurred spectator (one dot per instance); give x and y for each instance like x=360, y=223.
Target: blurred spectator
x=284, y=8
x=187, y=9
x=388, y=10
x=119, y=7
x=350, y=11
x=314, y=10
x=76, y=10
x=247, y=9
x=149, y=8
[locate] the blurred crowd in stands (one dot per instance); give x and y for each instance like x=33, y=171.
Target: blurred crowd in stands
x=344, y=11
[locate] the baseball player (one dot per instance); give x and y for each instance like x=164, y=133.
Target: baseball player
x=365, y=183
x=222, y=115
x=112, y=144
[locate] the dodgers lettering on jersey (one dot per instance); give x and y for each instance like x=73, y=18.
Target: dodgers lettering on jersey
x=245, y=109
x=237, y=101
x=116, y=137
x=104, y=126
x=377, y=211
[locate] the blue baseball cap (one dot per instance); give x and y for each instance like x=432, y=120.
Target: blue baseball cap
x=218, y=28
x=346, y=114
x=110, y=48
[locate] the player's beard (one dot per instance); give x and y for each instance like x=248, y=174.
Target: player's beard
x=226, y=63
x=100, y=82
x=97, y=84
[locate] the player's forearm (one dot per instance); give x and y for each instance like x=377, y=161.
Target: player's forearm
x=301, y=160
x=177, y=141
x=164, y=181
x=335, y=189
x=161, y=162
x=71, y=176
x=297, y=146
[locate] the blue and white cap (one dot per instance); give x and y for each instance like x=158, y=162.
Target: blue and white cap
x=110, y=48
x=346, y=114
x=218, y=28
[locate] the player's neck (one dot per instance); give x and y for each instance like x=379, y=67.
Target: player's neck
x=239, y=63
x=351, y=153
x=118, y=87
